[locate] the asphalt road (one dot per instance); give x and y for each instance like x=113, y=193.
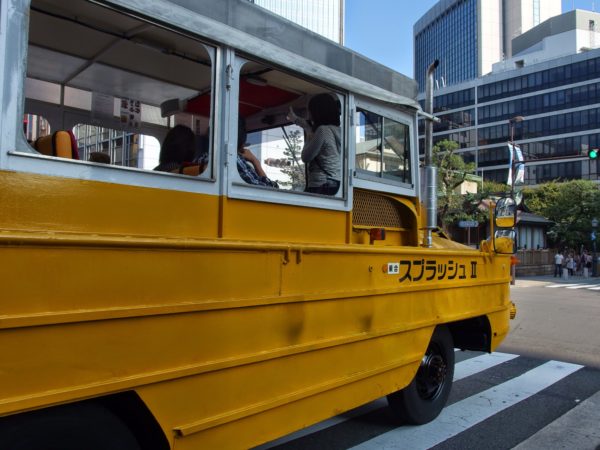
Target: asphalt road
x=556, y=319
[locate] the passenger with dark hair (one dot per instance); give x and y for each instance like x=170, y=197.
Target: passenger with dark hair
x=99, y=157
x=248, y=165
x=323, y=143
x=178, y=153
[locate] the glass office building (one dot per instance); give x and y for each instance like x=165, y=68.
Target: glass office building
x=560, y=103
x=453, y=35
x=469, y=36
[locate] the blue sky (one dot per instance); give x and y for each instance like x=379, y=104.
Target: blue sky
x=382, y=29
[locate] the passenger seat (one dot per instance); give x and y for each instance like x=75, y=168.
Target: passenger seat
x=61, y=144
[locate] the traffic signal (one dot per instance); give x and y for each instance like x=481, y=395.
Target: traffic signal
x=591, y=153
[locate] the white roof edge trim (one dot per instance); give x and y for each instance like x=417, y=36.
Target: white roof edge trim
x=232, y=37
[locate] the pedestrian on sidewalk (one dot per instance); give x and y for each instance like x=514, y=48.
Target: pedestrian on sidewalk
x=558, y=260
x=570, y=264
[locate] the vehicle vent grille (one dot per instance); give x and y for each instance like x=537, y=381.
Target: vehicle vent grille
x=374, y=210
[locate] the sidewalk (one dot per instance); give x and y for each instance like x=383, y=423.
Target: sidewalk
x=549, y=279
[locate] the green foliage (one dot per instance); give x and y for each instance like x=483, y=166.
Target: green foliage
x=452, y=172
x=295, y=169
x=452, y=169
x=491, y=189
x=570, y=205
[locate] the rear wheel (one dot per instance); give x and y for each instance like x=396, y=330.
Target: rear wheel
x=425, y=397
x=70, y=427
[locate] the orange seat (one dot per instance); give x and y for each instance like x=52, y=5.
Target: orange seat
x=61, y=144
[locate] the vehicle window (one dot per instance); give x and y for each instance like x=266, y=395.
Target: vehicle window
x=382, y=147
x=121, y=148
x=118, y=84
x=275, y=107
x=35, y=126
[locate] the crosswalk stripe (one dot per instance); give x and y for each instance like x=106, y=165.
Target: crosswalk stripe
x=581, y=286
x=462, y=370
x=466, y=413
x=595, y=288
x=578, y=428
x=472, y=366
x=560, y=285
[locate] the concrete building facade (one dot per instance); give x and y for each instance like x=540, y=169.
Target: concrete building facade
x=553, y=87
x=325, y=17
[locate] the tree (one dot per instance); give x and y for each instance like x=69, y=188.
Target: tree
x=295, y=169
x=452, y=172
x=571, y=205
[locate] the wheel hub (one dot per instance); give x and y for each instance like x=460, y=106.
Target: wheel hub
x=431, y=375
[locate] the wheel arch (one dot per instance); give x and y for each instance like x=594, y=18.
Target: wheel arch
x=472, y=334
x=134, y=413
x=125, y=410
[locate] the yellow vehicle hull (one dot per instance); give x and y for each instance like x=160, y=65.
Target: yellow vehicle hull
x=235, y=322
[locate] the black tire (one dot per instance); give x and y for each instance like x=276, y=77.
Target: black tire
x=425, y=397
x=71, y=427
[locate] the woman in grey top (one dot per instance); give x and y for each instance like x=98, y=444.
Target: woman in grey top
x=322, y=144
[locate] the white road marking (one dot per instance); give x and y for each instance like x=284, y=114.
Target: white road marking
x=581, y=286
x=462, y=415
x=578, y=428
x=462, y=370
x=472, y=366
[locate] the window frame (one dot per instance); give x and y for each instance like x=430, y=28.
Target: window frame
x=237, y=188
x=373, y=182
x=23, y=158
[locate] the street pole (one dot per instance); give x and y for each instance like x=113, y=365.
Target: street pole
x=594, y=255
x=511, y=123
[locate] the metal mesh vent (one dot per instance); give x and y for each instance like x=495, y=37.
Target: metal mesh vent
x=374, y=210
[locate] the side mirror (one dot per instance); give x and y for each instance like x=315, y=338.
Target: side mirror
x=505, y=212
x=505, y=242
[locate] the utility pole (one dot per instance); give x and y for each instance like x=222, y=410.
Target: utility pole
x=594, y=256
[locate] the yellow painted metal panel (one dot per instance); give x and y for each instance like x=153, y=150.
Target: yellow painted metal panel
x=282, y=223
x=36, y=202
x=234, y=321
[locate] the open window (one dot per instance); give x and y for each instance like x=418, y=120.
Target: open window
x=276, y=138
x=118, y=84
x=117, y=147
